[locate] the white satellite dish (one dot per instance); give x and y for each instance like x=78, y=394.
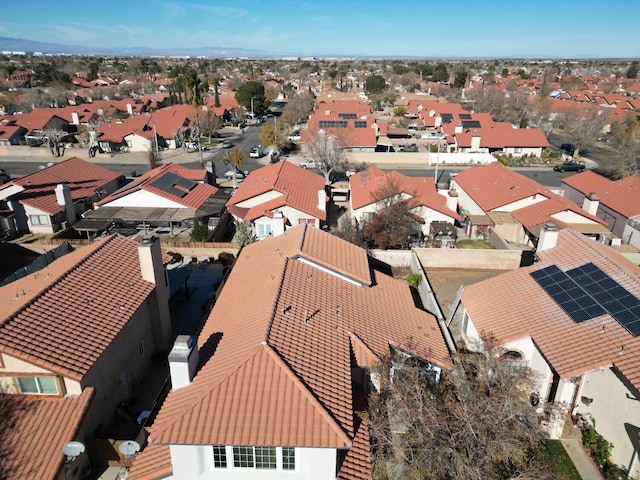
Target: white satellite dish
x=129, y=448
x=72, y=450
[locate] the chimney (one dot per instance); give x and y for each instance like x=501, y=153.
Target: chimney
x=322, y=200
x=438, y=122
x=475, y=143
x=591, y=203
x=129, y=109
x=153, y=271
x=75, y=119
x=183, y=361
x=63, y=197
x=458, y=128
x=452, y=200
x=548, y=237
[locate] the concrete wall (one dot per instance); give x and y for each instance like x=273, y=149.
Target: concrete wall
x=395, y=258
x=469, y=259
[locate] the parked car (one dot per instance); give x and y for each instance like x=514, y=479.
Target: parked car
x=308, y=164
x=255, y=152
x=4, y=176
x=294, y=137
x=239, y=173
x=569, y=166
x=227, y=144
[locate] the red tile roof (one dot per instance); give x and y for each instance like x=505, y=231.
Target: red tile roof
x=545, y=211
x=622, y=196
x=116, y=131
x=37, y=119
x=194, y=198
x=496, y=306
x=83, y=179
x=365, y=185
x=295, y=187
x=153, y=463
x=35, y=429
x=276, y=370
x=63, y=317
x=495, y=186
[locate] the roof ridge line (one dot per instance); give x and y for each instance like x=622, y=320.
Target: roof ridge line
x=310, y=395
x=276, y=299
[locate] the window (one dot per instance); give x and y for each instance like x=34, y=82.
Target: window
x=243, y=457
x=264, y=230
x=288, y=458
x=308, y=221
x=219, y=456
x=39, y=219
x=368, y=216
x=266, y=458
x=37, y=385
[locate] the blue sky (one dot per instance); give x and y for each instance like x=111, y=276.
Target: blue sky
x=423, y=28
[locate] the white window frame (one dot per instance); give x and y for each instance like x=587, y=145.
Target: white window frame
x=38, y=386
x=229, y=458
x=39, y=219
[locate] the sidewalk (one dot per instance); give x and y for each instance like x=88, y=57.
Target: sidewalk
x=580, y=459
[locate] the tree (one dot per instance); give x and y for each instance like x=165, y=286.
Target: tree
x=626, y=136
x=583, y=126
x=327, y=150
x=374, y=84
x=393, y=221
x=194, y=89
x=347, y=229
x=632, y=71
x=475, y=422
x=244, y=234
x=234, y=160
x=252, y=90
x=461, y=78
x=273, y=136
x=441, y=73
x=199, y=233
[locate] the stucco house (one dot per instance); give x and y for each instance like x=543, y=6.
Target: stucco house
x=367, y=188
x=279, y=196
x=167, y=196
x=52, y=199
x=497, y=189
x=615, y=202
x=272, y=386
x=574, y=318
x=82, y=333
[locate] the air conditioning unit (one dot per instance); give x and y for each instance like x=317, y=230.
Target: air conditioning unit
x=64, y=225
x=616, y=242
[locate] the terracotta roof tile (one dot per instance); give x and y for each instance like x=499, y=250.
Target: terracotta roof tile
x=278, y=184
x=35, y=430
x=63, y=317
x=496, y=305
x=495, y=186
x=83, y=179
x=153, y=463
x=622, y=196
x=284, y=358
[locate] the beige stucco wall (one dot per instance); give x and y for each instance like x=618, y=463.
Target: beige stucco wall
x=469, y=258
x=13, y=367
x=616, y=410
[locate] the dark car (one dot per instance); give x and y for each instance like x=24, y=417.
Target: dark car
x=4, y=176
x=569, y=166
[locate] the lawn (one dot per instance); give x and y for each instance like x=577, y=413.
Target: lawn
x=560, y=462
x=474, y=244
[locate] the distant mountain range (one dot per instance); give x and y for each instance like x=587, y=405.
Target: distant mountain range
x=8, y=44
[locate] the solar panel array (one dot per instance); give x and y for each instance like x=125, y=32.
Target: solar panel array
x=169, y=181
x=471, y=124
x=587, y=292
x=465, y=116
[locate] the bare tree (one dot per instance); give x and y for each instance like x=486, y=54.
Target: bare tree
x=474, y=422
x=393, y=223
x=626, y=137
x=327, y=149
x=234, y=160
x=583, y=126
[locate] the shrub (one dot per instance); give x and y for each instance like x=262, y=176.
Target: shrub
x=199, y=233
x=414, y=280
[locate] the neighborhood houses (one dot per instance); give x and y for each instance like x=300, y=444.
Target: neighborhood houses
x=216, y=268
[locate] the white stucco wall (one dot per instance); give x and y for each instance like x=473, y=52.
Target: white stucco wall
x=142, y=198
x=259, y=199
x=616, y=410
x=195, y=462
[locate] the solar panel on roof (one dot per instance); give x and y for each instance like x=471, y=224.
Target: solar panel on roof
x=587, y=292
x=186, y=183
x=465, y=116
x=471, y=124
x=446, y=117
x=166, y=183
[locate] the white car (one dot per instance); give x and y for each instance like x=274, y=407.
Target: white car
x=239, y=173
x=308, y=164
x=255, y=152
